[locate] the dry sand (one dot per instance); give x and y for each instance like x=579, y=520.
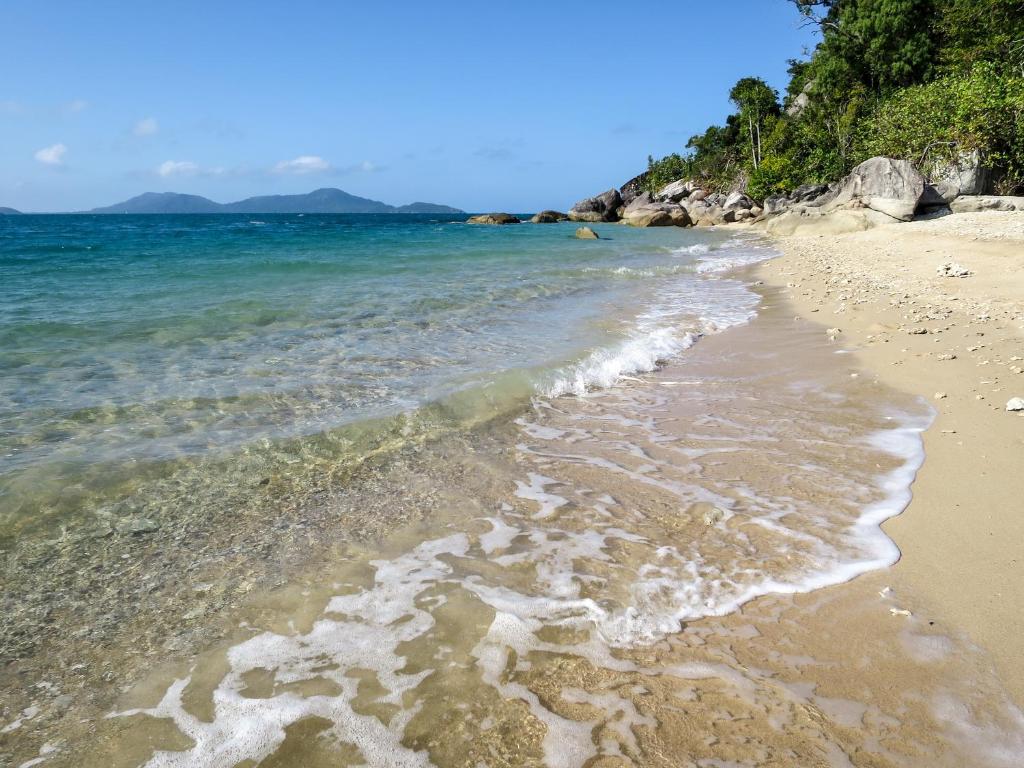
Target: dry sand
x=959, y=343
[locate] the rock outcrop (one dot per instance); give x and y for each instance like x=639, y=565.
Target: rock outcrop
x=586, y=233
x=974, y=203
x=892, y=187
x=494, y=218
x=603, y=207
x=548, y=217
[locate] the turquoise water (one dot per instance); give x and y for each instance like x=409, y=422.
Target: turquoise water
x=131, y=341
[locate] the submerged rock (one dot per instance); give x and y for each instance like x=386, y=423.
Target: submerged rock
x=494, y=218
x=586, y=233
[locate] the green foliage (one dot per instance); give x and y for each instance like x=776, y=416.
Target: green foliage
x=937, y=123
x=925, y=80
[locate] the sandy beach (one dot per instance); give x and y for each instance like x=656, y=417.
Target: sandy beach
x=957, y=342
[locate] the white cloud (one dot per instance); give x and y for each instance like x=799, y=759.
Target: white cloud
x=303, y=164
x=52, y=155
x=170, y=168
x=146, y=127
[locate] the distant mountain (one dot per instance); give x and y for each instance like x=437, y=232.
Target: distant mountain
x=426, y=208
x=327, y=200
x=163, y=202
x=12, y=212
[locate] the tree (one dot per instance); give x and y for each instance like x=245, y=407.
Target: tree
x=757, y=102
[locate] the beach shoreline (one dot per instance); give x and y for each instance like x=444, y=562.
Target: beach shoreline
x=956, y=342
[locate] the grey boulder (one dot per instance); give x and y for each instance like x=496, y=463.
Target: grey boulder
x=493, y=218
x=548, y=217
x=892, y=187
x=602, y=207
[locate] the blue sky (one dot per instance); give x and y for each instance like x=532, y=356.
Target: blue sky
x=478, y=105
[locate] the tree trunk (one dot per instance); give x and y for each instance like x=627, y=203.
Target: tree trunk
x=753, y=148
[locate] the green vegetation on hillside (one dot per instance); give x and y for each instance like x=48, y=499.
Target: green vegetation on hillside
x=929, y=81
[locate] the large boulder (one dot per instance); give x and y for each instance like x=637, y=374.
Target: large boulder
x=808, y=193
x=548, y=217
x=892, y=187
x=603, y=207
x=737, y=201
x=586, y=233
x=633, y=188
x=674, y=192
x=967, y=174
x=493, y=218
x=648, y=216
x=776, y=204
x=644, y=198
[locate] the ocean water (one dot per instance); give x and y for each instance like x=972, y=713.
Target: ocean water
x=131, y=342
x=402, y=491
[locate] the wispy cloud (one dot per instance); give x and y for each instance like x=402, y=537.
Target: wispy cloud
x=303, y=164
x=53, y=155
x=364, y=167
x=76, y=106
x=146, y=127
x=172, y=168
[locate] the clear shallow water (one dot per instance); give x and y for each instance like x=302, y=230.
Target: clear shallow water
x=140, y=340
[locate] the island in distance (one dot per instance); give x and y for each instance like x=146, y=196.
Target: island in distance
x=327, y=200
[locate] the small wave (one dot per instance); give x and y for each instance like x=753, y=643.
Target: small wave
x=605, y=367
x=697, y=249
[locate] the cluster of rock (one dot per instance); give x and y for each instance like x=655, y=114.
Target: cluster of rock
x=679, y=204
x=878, y=190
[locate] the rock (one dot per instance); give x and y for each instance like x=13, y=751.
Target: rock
x=493, y=218
x=892, y=187
x=975, y=203
x=952, y=269
x=674, y=192
x=940, y=395
x=633, y=188
x=138, y=525
x=648, y=216
x=946, y=357
x=938, y=195
x=776, y=204
x=737, y=201
x=808, y=193
x=1015, y=404
x=697, y=195
x=966, y=175
x=756, y=211
x=548, y=217
x=586, y=233
x=655, y=215
x=600, y=208
x=640, y=201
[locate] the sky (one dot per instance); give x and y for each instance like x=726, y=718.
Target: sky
x=483, y=106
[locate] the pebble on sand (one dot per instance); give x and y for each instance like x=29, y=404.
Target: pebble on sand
x=1015, y=404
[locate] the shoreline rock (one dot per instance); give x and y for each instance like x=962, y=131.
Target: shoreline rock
x=548, y=217
x=494, y=218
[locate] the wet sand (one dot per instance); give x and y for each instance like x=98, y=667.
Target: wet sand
x=958, y=342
